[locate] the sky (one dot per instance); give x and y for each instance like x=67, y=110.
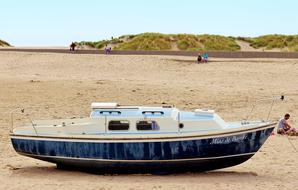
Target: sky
x=59, y=22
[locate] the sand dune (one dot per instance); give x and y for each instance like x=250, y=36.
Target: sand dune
x=68, y=83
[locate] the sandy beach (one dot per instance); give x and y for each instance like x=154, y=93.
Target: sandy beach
x=53, y=85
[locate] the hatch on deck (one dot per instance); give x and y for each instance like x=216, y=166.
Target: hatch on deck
x=204, y=112
x=104, y=105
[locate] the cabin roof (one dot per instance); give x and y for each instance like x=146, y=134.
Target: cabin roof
x=115, y=110
x=134, y=111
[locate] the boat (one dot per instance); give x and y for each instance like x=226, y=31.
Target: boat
x=142, y=139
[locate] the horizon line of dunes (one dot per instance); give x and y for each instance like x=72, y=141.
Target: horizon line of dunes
x=191, y=42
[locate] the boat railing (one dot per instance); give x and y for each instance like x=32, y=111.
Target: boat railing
x=272, y=100
x=22, y=111
x=29, y=112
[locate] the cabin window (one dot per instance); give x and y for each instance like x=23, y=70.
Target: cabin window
x=118, y=125
x=147, y=125
x=157, y=113
x=110, y=112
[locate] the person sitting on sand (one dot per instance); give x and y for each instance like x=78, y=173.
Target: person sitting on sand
x=284, y=127
x=205, y=57
x=199, y=58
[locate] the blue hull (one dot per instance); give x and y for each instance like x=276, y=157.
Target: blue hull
x=175, y=155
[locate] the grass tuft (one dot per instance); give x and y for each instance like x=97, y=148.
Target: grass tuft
x=4, y=44
x=276, y=41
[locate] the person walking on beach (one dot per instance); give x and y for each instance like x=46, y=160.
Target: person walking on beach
x=284, y=127
x=108, y=49
x=72, y=46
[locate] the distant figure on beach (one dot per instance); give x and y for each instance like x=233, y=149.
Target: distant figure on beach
x=199, y=59
x=72, y=46
x=108, y=49
x=205, y=57
x=284, y=127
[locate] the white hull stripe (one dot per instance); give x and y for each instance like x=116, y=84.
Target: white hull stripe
x=132, y=161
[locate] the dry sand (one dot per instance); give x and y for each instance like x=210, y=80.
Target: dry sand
x=68, y=83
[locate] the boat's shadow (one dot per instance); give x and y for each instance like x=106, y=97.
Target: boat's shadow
x=53, y=170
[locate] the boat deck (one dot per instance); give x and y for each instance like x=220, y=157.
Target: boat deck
x=115, y=121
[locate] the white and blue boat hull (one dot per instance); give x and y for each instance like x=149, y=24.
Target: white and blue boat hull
x=173, y=154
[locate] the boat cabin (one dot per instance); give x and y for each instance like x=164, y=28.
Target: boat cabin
x=134, y=119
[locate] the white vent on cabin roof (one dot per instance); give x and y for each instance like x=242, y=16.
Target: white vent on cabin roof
x=103, y=105
x=204, y=112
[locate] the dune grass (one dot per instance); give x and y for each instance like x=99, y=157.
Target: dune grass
x=191, y=42
x=218, y=43
x=186, y=42
x=147, y=41
x=158, y=41
x=245, y=39
x=100, y=44
x=276, y=41
x=4, y=44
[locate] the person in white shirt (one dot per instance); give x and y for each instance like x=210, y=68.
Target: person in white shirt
x=284, y=127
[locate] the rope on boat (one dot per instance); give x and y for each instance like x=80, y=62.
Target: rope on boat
x=273, y=99
x=292, y=144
